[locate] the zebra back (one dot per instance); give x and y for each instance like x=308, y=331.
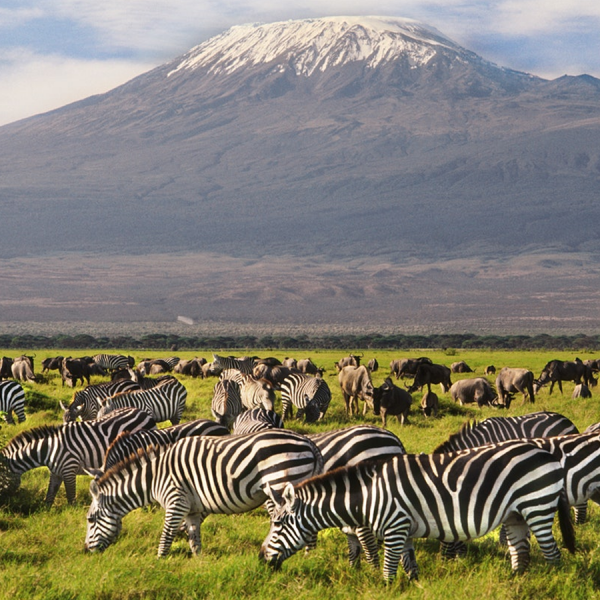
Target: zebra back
x=244, y=364
x=499, y=429
x=12, y=399
x=256, y=419
x=310, y=395
x=112, y=362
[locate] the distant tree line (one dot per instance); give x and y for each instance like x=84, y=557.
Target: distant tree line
x=448, y=342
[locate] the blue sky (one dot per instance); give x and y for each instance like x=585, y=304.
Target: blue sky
x=53, y=52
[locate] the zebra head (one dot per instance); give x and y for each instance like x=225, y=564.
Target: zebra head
x=287, y=534
x=103, y=524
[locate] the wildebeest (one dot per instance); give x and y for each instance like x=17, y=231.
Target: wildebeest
x=430, y=404
x=192, y=367
x=22, y=368
x=581, y=391
x=53, y=363
x=154, y=366
x=407, y=367
x=356, y=383
x=511, y=380
x=6, y=367
x=477, y=390
x=275, y=375
x=307, y=366
x=289, y=362
x=490, y=370
x=352, y=360
x=373, y=365
x=73, y=370
x=389, y=399
x=460, y=367
x=431, y=373
x=557, y=371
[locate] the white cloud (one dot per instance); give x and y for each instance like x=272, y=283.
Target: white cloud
x=33, y=83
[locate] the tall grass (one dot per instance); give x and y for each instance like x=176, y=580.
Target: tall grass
x=41, y=550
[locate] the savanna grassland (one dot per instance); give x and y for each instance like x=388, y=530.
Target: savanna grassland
x=41, y=550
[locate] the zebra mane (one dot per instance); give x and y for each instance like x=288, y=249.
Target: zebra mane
x=117, y=440
x=369, y=464
x=136, y=459
x=34, y=434
x=464, y=431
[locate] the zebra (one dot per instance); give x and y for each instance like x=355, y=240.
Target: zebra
x=310, y=395
x=499, y=429
x=195, y=477
x=12, y=398
x=113, y=362
x=69, y=448
x=456, y=496
x=165, y=402
x=226, y=402
x=172, y=361
x=87, y=402
x=128, y=443
x=256, y=419
x=244, y=364
x=257, y=393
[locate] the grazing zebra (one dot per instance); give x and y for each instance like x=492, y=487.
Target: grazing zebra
x=500, y=429
x=130, y=443
x=310, y=395
x=195, y=477
x=67, y=449
x=450, y=497
x=257, y=393
x=226, y=402
x=113, y=362
x=172, y=361
x=12, y=398
x=165, y=402
x=244, y=364
x=256, y=419
x=87, y=402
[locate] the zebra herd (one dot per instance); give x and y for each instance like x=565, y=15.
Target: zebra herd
x=514, y=472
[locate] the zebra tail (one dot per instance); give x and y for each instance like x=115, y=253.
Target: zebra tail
x=566, y=524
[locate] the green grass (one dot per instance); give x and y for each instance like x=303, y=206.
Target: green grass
x=41, y=550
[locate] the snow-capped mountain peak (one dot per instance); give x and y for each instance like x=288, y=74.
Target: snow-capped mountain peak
x=316, y=44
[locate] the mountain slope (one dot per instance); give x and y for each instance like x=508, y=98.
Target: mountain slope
x=334, y=139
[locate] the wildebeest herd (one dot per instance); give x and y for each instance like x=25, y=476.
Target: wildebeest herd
x=514, y=472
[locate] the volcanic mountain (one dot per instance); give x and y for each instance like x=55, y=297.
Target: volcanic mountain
x=319, y=168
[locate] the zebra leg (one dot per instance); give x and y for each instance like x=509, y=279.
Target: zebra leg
x=580, y=513
x=368, y=542
x=409, y=561
x=453, y=549
x=53, y=487
x=193, y=522
x=394, y=542
x=517, y=537
x=9, y=418
x=174, y=515
x=311, y=543
x=542, y=529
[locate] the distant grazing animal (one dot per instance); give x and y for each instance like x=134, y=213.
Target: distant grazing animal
x=256, y=419
x=192, y=367
x=307, y=366
x=356, y=384
x=310, y=395
x=430, y=404
x=510, y=380
x=460, y=367
x=389, y=399
x=156, y=366
x=243, y=364
x=407, y=367
x=196, y=477
x=73, y=370
x=352, y=360
x=52, y=364
x=581, y=391
x=490, y=370
x=22, y=368
x=431, y=373
x=557, y=371
x=416, y=495
x=291, y=363
x=479, y=390
x=113, y=362
x=12, y=399
x=6, y=367
x=275, y=375
x=373, y=365
x=67, y=449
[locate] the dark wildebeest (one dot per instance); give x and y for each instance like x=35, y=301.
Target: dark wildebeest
x=477, y=390
x=557, y=371
x=53, y=363
x=356, y=383
x=430, y=404
x=511, y=380
x=271, y=361
x=373, y=365
x=407, y=367
x=73, y=370
x=192, y=367
x=352, y=360
x=6, y=367
x=389, y=399
x=22, y=368
x=431, y=373
x=490, y=370
x=307, y=367
x=274, y=375
x=460, y=367
x=154, y=366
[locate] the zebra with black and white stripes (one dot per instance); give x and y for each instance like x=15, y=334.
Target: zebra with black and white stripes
x=244, y=364
x=128, y=443
x=456, y=496
x=310, y=395
x=113, y=362
x=165, y=402
x=87, y=402
x=256, y=419
x=499, y=429
x=226, y=403
x=68, y=449
x=12, y=399
x=196, y=477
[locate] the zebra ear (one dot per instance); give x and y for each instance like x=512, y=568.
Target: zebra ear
x=94, y=491
x=95, y=473
x=289, y=494
x=273, y=495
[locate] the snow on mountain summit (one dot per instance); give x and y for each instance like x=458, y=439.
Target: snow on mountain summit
x=316, y=44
